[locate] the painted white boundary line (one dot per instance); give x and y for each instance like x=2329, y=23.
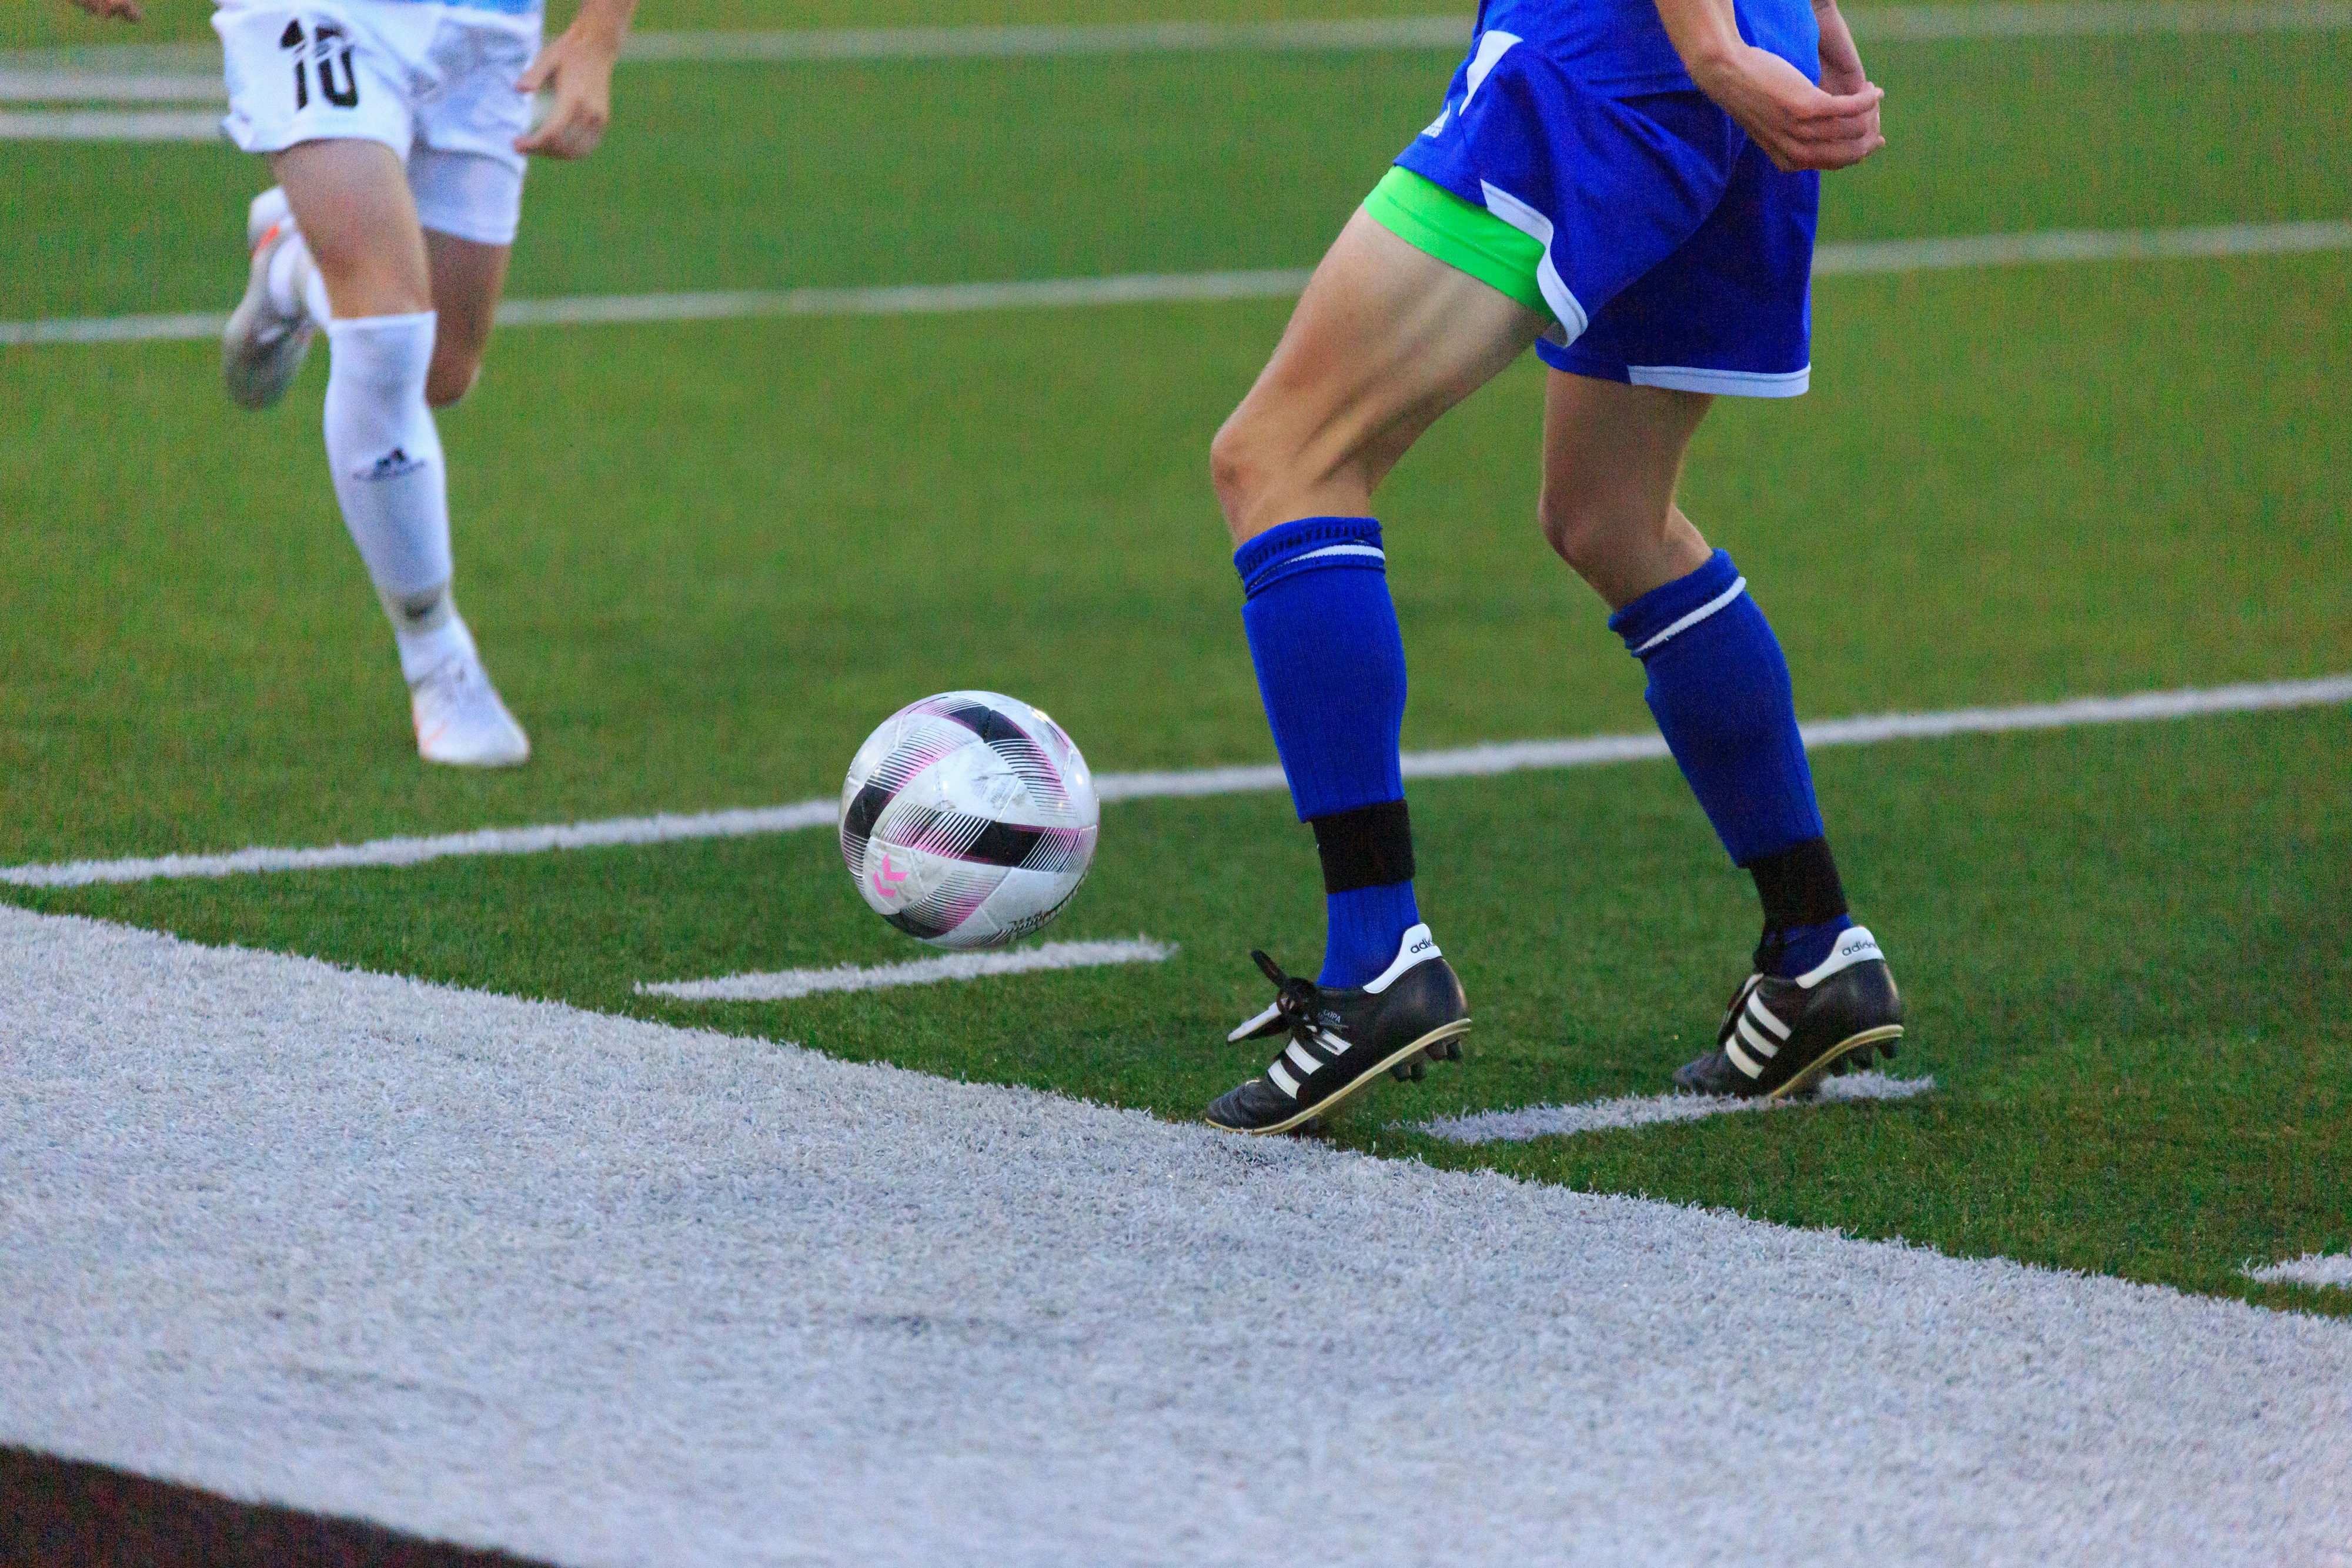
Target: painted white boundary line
x=606, y=1290
x=1470, y=761
x=1001, y=43
x=108, y=125
x=1940, y=23
x=400, y=852
x=194, y=66
x=1164, y=288
x=2081, y=245
x=2322, y=1269
x=739, y=304
x=1649, y=1110
x=783, y=985
x=68, y=85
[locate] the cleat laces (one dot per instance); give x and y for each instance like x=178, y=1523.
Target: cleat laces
x=1297, y=1008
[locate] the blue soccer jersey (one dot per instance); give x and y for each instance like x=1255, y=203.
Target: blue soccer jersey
x=1620, y=45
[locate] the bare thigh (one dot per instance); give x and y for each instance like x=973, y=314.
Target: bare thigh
x=467, y=277
x=352, y=200
x=1385, y=340
x=1612, y=455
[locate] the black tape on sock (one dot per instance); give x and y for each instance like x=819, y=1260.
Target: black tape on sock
x=1370, y=846
x=1799, y=885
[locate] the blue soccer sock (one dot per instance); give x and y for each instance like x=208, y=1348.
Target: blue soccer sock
x=1720, y=690
x=1331, y=665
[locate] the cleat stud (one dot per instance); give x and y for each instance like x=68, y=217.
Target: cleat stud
x=1419, y=1071
x=1888, y=1050
x=1400, y=1073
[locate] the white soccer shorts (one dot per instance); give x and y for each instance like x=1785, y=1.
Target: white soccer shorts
x=436, y=83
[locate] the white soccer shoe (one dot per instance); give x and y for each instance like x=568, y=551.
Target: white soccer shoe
x=262, y=346
x=460, y=721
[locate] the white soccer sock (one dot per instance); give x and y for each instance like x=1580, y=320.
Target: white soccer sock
x=428, y=629
x=385, y=455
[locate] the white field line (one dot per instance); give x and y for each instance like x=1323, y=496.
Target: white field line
x=1376, y=33
x=1471, y=761
x=2094, y=20
x=56, y=85
x=1840, y=259
x=191, y=70
x=108, y=125
x=1649, y=1110
x=1848, y=258
x=2322, y=1269
x=783, y=985
x=399, y=851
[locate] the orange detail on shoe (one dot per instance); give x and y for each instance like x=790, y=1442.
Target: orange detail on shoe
x=267, y=235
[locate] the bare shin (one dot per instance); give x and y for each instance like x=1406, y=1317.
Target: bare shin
x=467, y=277
x=1613, y=455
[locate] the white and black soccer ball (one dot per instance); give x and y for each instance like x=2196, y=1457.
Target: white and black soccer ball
x=968, y=820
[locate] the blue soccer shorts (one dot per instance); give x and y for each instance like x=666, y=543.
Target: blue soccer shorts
x=1664, y=243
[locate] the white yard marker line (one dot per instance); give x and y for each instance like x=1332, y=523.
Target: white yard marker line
x=1649, y=1110
x=1844, y=258
x=1470, y=761
x=2081, y=245
x=1940, y=23
x=909, y=300
x=90, y=70
x=784, y=985
x=108, y=125
x=1375, y=33
x=67, y=86
x=2320, y=1270
x=655, y=829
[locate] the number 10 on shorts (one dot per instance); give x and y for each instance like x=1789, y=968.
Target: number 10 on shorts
x=325, y=44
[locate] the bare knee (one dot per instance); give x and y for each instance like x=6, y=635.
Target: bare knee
x=1241, y=470
x=1621, y=546
x=1581, y=526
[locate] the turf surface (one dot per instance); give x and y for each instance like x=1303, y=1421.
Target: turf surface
x=705, y=558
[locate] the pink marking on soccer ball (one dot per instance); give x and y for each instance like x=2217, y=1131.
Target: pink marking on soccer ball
x=884, y=873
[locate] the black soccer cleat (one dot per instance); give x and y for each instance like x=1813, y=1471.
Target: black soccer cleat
x=1781, y=1038
x=1414, y=1013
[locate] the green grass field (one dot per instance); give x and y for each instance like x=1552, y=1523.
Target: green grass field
x=705, y=558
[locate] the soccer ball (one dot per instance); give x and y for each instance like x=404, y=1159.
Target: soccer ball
x=968, y=820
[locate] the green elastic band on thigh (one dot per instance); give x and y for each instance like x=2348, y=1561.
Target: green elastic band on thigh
x=1429, y=217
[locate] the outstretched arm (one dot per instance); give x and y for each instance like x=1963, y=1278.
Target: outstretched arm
x=1798, y=125
x=579, y=65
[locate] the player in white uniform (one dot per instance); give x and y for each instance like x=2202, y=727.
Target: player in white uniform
x=398, y=131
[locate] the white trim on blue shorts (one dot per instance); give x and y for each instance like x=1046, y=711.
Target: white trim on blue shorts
x=1728, y=384
x=1537, y=227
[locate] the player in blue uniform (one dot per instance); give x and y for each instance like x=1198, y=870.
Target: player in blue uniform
x=1631, y=186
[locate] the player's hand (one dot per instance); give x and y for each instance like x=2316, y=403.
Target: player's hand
x=579, y=67
x=1798, y=125
x=113, y=10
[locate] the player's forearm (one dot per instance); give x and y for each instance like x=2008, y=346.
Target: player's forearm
x=1705, y=34
x=605, y=22
x=1837, y=41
